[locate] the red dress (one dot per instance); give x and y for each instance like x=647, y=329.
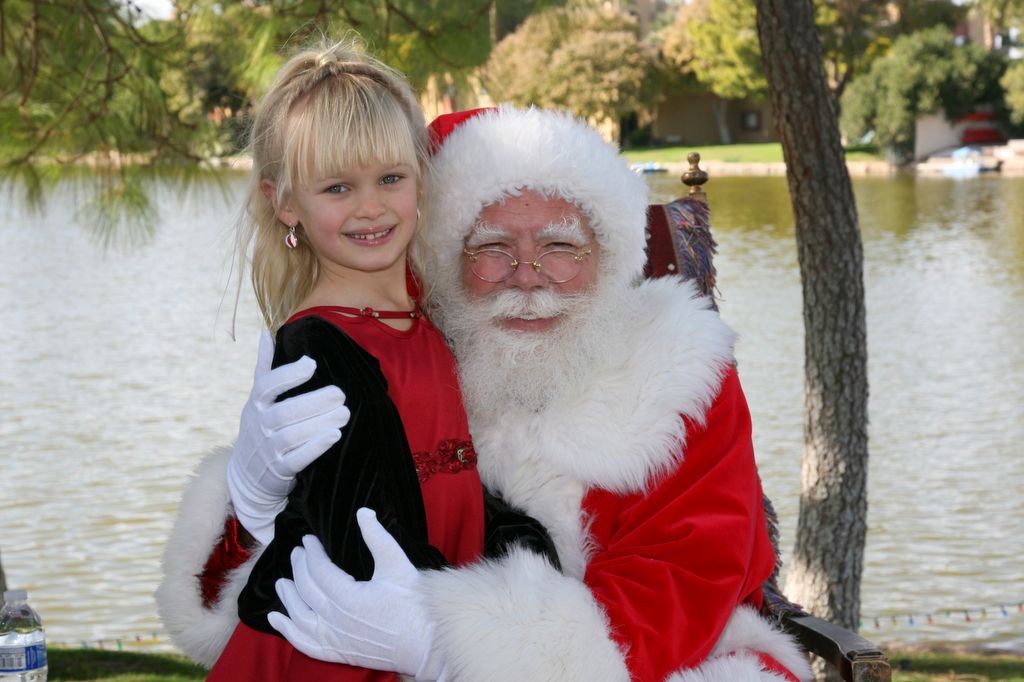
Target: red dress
x=423, y=384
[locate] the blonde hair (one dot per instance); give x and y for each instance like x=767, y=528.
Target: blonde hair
x=329, y=108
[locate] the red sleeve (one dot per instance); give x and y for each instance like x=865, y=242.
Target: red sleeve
x=672, y=564
x=227, y=555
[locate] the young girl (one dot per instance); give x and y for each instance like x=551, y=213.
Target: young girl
x=339, y=148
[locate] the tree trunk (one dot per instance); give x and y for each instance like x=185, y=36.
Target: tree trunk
x=825, y=572
x=719, y=107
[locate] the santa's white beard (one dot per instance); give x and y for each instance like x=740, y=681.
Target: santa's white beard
x=502, y=369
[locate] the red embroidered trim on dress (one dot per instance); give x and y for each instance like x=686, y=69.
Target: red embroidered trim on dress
x=450, y=457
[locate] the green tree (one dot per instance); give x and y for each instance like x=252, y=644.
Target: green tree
x=853, y=34
x=1002, y=13
x=716, y=40
x=925, y=72
x=85, y=79
x=587, y=60
x=721, y=40
x=509, y=14
x=1012, y=83
x=419, y=37
x=82, y=84
x=92, y=79
x=911, y=16
x=89, y=75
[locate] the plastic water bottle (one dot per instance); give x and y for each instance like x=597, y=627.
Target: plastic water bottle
x=22, y=642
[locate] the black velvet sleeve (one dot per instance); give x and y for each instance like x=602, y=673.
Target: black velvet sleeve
x=506, y=526
x=370, y=466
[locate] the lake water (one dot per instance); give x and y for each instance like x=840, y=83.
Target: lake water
x=118, y=372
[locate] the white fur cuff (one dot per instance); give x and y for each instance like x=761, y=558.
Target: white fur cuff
x=200, y=632
x=746, y=634
x=742, y=667
x=519, y=619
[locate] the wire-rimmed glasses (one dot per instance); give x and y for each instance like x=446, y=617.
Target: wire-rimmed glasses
x=558, y=264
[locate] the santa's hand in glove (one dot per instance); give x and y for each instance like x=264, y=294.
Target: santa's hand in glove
x=379, y=623
x=277, y=440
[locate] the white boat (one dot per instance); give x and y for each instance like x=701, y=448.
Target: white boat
x=648, y=167
x=961, y=162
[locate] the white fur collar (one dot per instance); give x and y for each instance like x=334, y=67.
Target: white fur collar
x=625, y=429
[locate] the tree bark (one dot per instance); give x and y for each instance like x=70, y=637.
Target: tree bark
x=825, y=573
x=718, y=108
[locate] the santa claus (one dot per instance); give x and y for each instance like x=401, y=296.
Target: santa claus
x=604, y=405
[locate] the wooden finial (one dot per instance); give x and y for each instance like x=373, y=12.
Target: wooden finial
x=695, y=176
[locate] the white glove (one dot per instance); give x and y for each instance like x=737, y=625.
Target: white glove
x=278, y=440
x=378, y=624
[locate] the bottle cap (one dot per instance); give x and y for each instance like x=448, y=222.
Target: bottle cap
x=15, y=595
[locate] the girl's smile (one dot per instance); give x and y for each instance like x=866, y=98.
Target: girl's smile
x=372, y=237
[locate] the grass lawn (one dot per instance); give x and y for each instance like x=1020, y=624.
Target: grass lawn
x=79, y=665
x=932, y=667
x=768, y=152
x=119, y=666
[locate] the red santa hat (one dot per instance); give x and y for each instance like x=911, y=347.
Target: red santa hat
x=483, y=155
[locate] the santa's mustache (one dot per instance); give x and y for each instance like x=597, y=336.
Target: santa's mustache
x=540, y=304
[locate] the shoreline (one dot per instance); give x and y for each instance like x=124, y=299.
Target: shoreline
x=865, y=167
x=735, y=168
x=1010, y=169
x=950, y=648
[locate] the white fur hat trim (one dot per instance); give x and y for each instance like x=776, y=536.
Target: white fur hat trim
x=501, y=151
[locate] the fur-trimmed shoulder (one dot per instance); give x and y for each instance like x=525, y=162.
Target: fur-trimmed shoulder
x=625, y=430
x=200, y=632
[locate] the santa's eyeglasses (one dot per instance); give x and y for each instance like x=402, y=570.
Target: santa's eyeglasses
x=559, y=264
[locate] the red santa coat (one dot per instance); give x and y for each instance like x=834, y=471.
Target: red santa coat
x=641, y=570
x=647, y=482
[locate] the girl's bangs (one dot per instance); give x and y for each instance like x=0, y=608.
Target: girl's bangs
x=343, y=125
